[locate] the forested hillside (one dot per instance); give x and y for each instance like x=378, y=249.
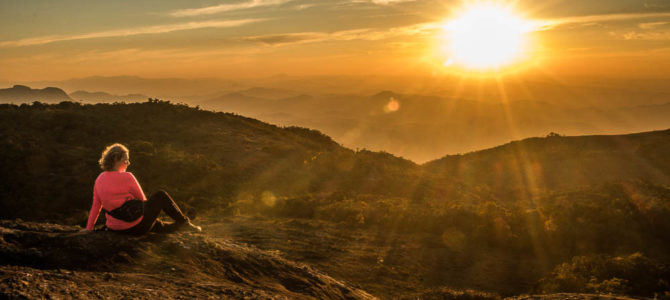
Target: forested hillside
x=206, y=159
x=559, y=162
x=553, y=214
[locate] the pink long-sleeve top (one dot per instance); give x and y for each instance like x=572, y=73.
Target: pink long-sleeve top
x=110, y=191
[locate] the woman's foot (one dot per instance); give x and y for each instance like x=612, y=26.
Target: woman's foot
x=190, y=227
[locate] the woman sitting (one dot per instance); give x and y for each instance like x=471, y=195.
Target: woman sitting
x=127, y=209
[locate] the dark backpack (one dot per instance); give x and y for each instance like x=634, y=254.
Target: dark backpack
x=131, y=210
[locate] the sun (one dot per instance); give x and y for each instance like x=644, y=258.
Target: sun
x=485, y=36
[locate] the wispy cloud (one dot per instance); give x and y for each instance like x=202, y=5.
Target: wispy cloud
x=210, y=10
x=368, y=34
x=380, y=2
x=649, y=36
x=550, y=24
x=128, y=32
x=656, y=4
x=287, y=38
x=652, y=25
x=385, y=2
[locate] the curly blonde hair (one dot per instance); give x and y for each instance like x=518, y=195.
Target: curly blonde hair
x=112, y=154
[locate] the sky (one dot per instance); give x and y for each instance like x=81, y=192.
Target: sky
x=57, y=40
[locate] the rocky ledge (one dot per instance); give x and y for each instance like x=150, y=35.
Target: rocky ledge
x=40, y=260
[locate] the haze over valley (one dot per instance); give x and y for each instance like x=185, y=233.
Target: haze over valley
x=443, y=116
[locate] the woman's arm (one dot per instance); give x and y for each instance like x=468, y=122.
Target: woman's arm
x=135, y=189
x=95, y=211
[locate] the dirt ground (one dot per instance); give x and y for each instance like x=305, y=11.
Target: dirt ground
x=50, y=261
x=235, y=258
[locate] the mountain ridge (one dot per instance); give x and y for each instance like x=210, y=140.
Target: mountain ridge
x=548, y=160
x=94, y=97
x=22, y=93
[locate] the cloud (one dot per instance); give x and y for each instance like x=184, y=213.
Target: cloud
x=656, y=4
x=303, y=6
x=649, y=36
x=652, y=25
x=368, y=34
x=287, y=38
x=385, y=2
x=210, y=10
x=380, y=2
x=554, y=23
x=128, y=32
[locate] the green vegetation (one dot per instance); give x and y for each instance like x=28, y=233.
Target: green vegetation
x=540, y=215
x=633, y=274
x=207, y=160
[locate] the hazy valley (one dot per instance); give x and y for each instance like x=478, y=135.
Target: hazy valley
x=421, y=119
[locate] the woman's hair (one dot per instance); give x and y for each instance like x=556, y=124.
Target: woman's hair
x=111, y=155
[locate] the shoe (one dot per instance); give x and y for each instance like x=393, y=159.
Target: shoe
x=190, y=227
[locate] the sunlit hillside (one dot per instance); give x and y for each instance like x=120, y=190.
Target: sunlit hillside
x=562, y=162
x=550, y=214
x=209, y=159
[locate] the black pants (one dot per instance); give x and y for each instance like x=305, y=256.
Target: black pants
x=157, y=202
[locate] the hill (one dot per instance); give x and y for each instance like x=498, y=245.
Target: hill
x=157, y=87
x=95, y=97
x=206, y=159
x=562, y=162
x=40, y=260
x=24, y=94
x=425, y=127
x=368, y=217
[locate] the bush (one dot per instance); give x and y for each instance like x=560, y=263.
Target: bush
x=634, y=274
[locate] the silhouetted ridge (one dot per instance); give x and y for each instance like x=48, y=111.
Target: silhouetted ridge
x=556, y=162
x=22, y=93
x=93, y=97
x=386, y=95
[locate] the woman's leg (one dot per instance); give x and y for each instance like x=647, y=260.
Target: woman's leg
x=162, y=227
x=159, y=201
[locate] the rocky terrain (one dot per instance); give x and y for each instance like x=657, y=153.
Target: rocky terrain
x=40, y=260
x=49, y=261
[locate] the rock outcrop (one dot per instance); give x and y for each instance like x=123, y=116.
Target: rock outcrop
x=39, y=260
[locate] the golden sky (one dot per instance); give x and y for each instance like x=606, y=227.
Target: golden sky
x=54, y=40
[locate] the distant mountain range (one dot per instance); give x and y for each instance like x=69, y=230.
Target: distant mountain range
x=419, y=127
x=24, y=94
x=176, y=89
x=97, y=97
x=422, y=128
